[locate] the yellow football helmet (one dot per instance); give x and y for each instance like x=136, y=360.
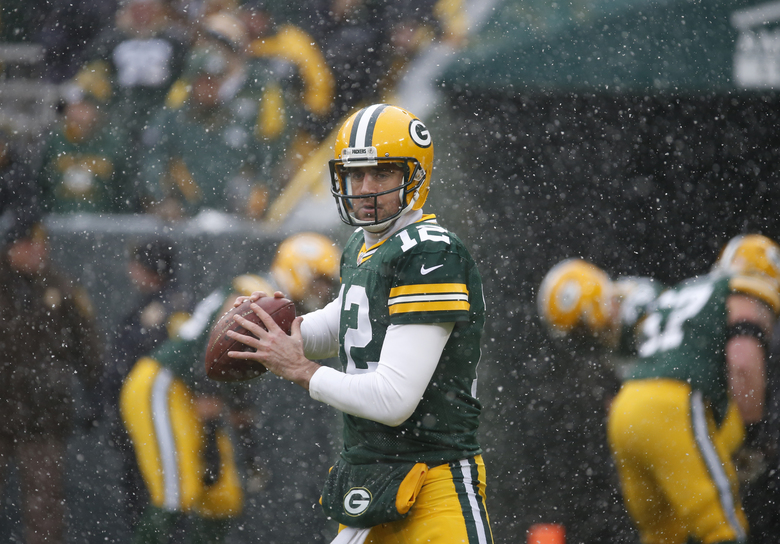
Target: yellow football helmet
x=751, y=254
x=576, y=294
x=382, y=134
x=300, y=260
x=246, y=284
x=757, y=259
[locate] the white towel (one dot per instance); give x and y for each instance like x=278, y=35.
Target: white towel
x=351, y=535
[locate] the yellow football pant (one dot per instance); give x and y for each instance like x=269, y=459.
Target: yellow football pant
x=168, y=438
x=449, y=509
x=675, y=467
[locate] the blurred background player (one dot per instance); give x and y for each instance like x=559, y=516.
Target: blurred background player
x=48, y=342
x=698, y=377
x=183, y=445
x=578, y=301
x=156, y=312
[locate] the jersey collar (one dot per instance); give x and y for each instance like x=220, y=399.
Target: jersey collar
x=371, y=241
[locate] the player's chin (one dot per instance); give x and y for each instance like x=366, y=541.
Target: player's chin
x=366, y=213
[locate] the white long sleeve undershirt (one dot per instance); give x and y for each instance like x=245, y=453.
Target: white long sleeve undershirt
x=409, y=356
x=390, y=394
x=320, y=331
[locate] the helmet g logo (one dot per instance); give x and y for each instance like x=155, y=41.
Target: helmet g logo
x=356, y=501
x=569, y=296
x=419, y=133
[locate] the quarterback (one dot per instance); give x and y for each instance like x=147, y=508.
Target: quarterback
x=407, y=327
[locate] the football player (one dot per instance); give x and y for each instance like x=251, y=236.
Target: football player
x=178, y=421
x=407, y=328
x=699, y=368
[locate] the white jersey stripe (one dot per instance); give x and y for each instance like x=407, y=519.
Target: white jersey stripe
x=426, y=298
x=165, y=442
x=465, y=469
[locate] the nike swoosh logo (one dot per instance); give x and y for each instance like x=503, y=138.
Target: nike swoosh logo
x=425, y=271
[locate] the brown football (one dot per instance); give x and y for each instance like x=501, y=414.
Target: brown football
x=219, y=365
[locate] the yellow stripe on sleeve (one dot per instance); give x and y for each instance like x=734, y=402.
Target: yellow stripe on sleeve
x=443, y=306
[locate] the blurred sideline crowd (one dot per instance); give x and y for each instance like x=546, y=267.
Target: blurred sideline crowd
x=170, y=107
x=177, y=457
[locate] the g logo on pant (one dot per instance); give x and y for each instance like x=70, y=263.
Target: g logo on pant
x=356, y=501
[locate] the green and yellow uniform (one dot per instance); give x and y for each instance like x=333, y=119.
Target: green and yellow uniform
x=172, y=444
x=87, y=176
x=672, y=428
x=421, y=274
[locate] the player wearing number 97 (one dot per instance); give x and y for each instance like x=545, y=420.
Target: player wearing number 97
x=407, y=327
x=701, y=353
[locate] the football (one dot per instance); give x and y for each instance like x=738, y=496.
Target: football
x=219, y=365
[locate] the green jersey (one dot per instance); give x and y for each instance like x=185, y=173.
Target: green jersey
x=184, y=355
x=88, y=175
x=636, y=295
x=684, y=338
x=421, y=274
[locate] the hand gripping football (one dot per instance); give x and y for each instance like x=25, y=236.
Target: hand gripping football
x=219, y=365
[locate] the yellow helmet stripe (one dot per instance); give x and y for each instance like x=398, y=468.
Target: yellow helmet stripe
x=758, y=288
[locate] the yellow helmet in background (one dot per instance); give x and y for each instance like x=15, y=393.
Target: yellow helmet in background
x=301, y=259
x=378, y=134
x=751, y=254
x=756, y=259
x=246, y=284
x=576, y=294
